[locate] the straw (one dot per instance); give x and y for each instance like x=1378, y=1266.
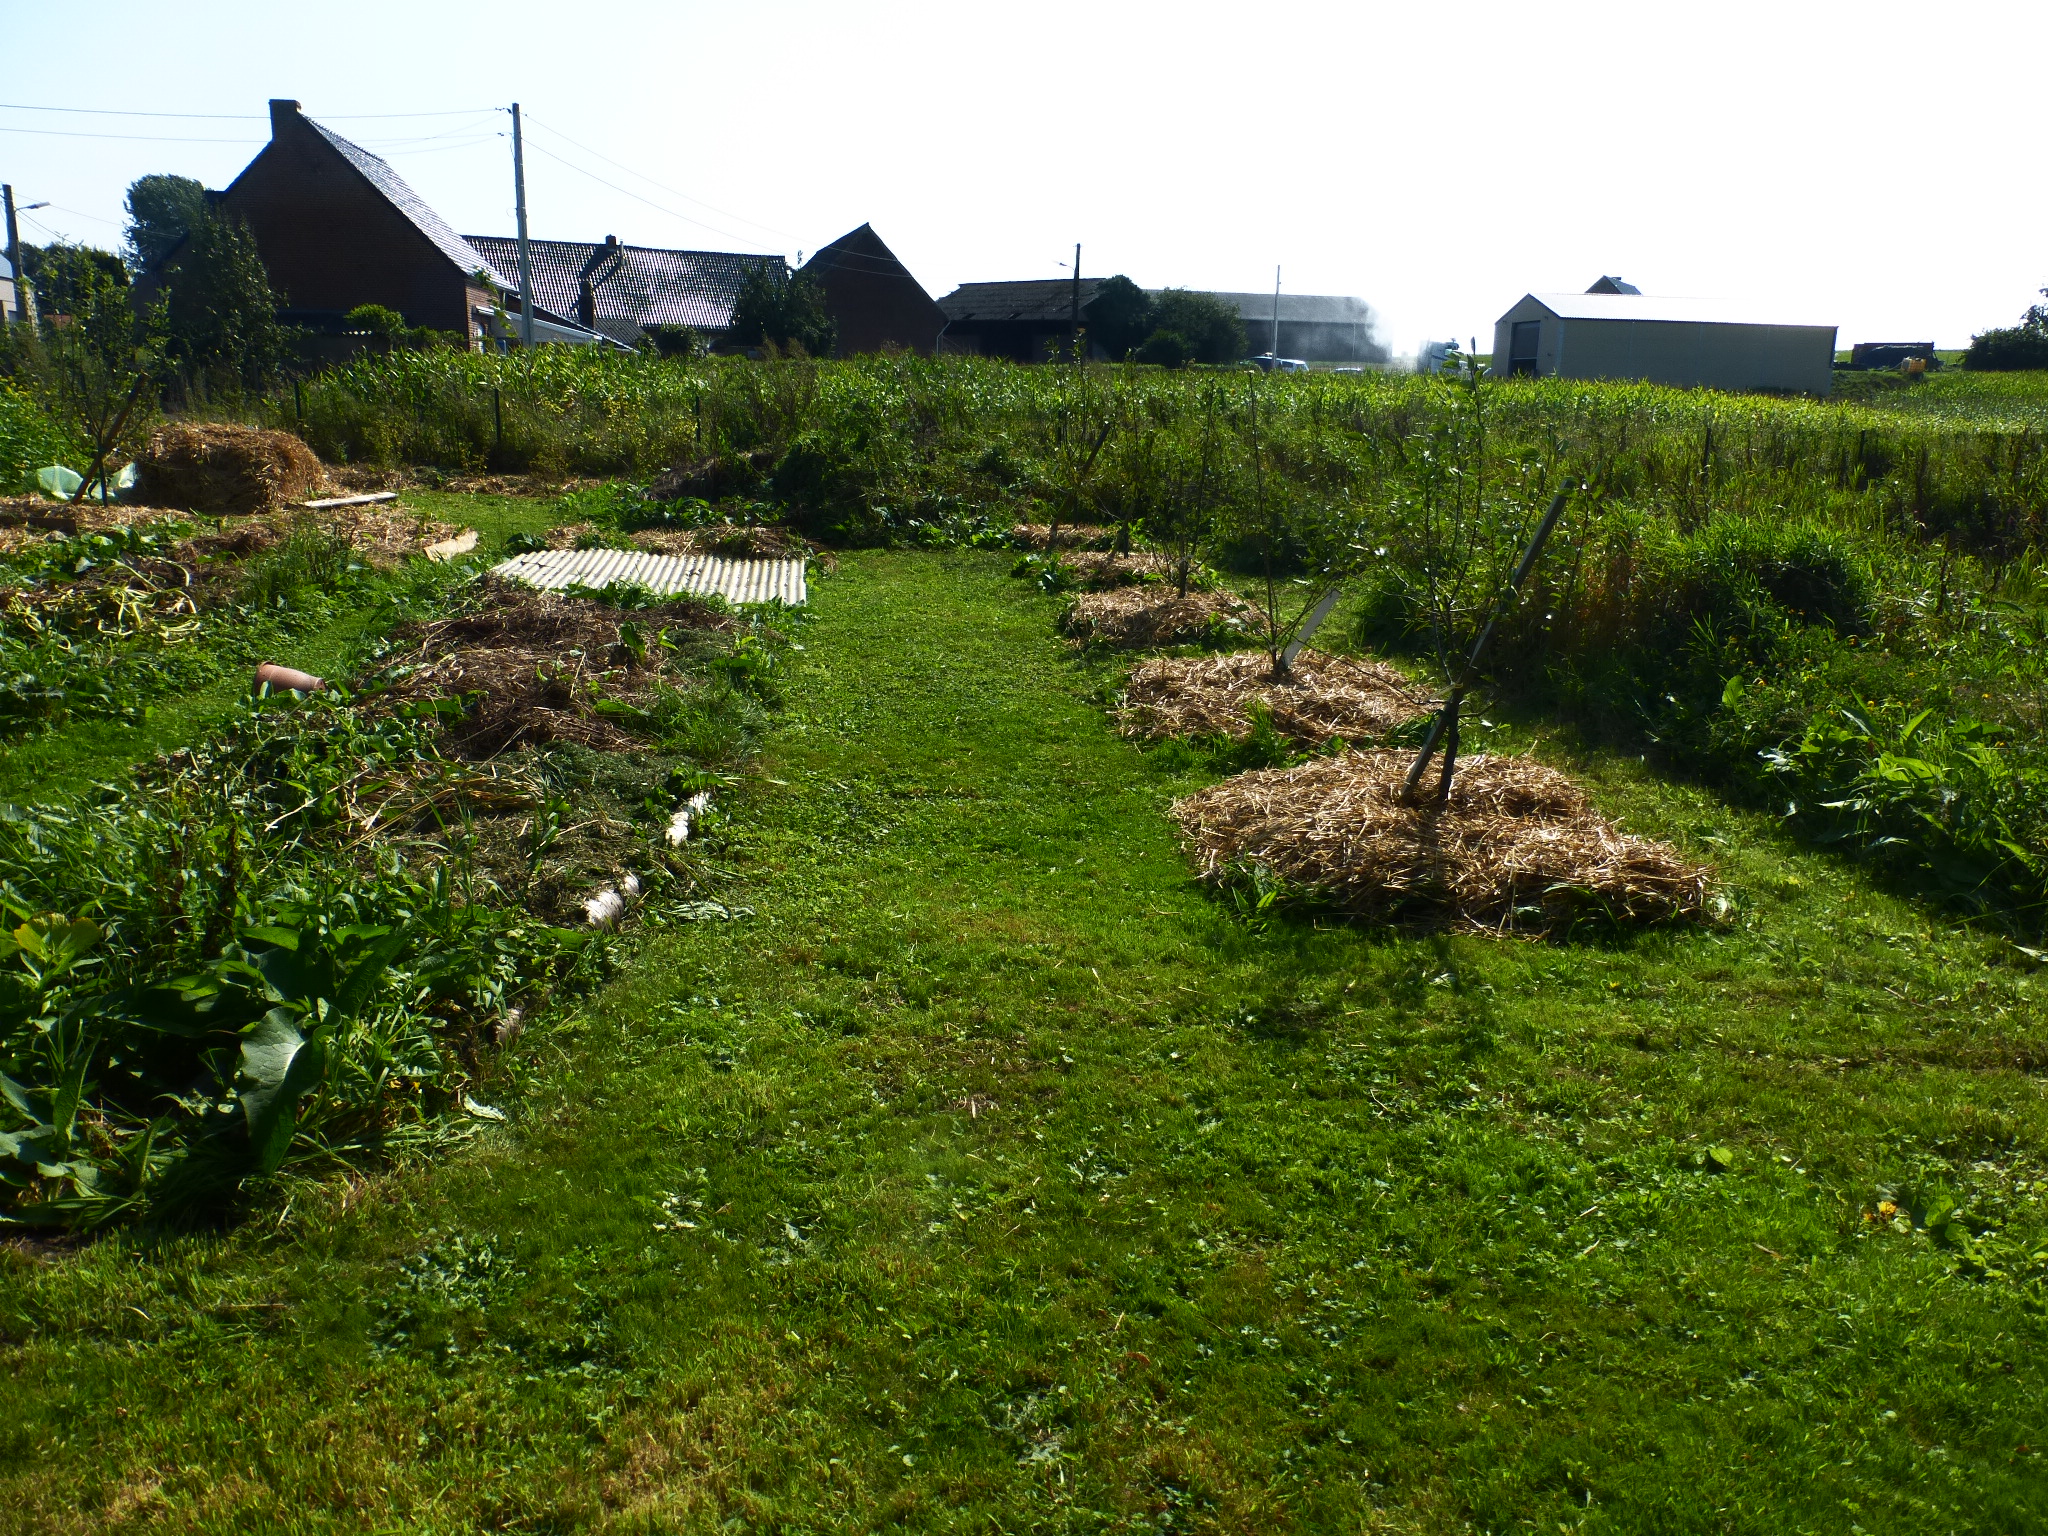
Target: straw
x=1325, y=697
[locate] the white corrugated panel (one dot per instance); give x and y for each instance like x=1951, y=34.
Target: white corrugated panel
x=737, y=581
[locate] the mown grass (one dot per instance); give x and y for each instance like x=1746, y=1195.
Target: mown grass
x=986, y=1175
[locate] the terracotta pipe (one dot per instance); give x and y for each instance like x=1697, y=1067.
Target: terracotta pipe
x=288, y=677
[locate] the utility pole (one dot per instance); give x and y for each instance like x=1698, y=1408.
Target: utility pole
x=14, y=258
x=1276, y=312
x=525, y=260
x=1074, y=320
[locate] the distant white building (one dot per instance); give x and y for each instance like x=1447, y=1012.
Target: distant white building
x=1614, y=332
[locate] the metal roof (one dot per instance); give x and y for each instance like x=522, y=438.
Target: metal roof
x=412, y=205
x=1312, y=308
x=1041, y=298
x=1638, y=306
x=737, y=581
x=634, y=286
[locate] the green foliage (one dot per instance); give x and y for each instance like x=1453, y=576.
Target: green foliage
x=28, y=439
x=2023, y=346
x=782, y=309
x=1212, y=329
x=1119, y=316
x=381, y=323
x=220, y=315
x=162, y=210
x=98, y=376
x=69, y=279
x=1165, y=349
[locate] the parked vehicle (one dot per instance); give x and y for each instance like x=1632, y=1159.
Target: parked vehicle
x=1266, y=362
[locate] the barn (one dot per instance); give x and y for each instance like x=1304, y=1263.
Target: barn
x=872, y=297
x=1691, y=343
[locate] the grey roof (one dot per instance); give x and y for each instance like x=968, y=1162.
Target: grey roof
x=412, y=205
x=1038, y=299
x=1317, y=308
x=1638, y=306
x=1605, y=284
x=634, y=286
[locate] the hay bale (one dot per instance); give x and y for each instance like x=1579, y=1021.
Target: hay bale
x=1516, y=847
x=221, y=468
x=1326, y=696
x=1136, y=618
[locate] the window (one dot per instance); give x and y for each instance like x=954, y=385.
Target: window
x=1522, y=347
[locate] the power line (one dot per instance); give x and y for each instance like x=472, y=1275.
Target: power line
x=672, y=191
x=650, y=202
x=144, y=138
x=238, y=117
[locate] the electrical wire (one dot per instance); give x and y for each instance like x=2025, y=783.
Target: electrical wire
x=143, y=138
x=672, y=191
x=239, y=117
x=650, y=202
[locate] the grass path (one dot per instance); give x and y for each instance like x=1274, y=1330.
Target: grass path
x=986, y=1176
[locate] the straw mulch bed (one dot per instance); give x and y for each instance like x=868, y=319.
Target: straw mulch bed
x=1097, y=571
x=532, y=658
x=1326, y=696
x=1072, y=536
x=222, y=468
x=1139, y=618
x=1517, y=847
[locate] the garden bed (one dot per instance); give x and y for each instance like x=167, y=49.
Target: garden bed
x=1325, y=698
x=1142, y=617
x=1517, y=846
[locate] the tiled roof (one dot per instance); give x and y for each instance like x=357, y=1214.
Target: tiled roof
x=1316, y=308
x=634, y=286
x=1042, y=299
x=411, y=204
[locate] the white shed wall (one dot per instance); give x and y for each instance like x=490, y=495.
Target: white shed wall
x=1695, y=354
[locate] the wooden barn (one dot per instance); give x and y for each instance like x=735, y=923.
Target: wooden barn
x=1024, y=321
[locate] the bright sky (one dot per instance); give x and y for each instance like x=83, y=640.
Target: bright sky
x=1873, y=165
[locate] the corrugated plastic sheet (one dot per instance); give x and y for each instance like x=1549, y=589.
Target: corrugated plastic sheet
x=737, y=581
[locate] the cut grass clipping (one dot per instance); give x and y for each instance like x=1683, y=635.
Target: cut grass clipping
x=1518, y=847
x=1139, y=618
x=1324, y=697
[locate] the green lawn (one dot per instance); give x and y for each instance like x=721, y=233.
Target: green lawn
x=987, y=1175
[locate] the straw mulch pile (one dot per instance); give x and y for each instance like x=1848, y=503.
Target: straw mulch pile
x=1517, y=847
x=532, y=658
x=1099, y=570
x=1325, y=696
x=1139, y=618
x=222, y=468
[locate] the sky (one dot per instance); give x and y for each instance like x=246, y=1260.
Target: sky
x=1875, y=166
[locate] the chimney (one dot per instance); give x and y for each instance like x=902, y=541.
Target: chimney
x=586, y=305
x=281, y=113
x=611, y=240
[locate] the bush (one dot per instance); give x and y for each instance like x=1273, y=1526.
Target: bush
x=1212, y=329
x=1165, y=349
x=2008, y=351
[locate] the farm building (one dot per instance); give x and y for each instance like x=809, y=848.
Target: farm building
x=1691, y=343
x=872, y=298
x=1024, y=321
x=623, y=291
x=1315, y=327
x=337, y=227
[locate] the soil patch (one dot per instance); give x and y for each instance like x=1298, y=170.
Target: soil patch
x=1517, y=846
x=1325, y=697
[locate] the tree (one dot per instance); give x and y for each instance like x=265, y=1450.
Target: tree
x=60, y=273
x=162, y=210
x=1211, y=328
x=1165, y=349
x=781, y=308
x=222, y=316
x=1186, y=480
x=96, y=374
x=1308, y=543
x=2014, y=347
x=1119, y=316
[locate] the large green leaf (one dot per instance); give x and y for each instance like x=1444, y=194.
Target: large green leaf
x=279, y=1068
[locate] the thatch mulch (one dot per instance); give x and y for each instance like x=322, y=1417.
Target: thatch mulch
x=1324, y=697
x=1138, y=618
x=220, y=467
x=533, y=657
x=1518, y=846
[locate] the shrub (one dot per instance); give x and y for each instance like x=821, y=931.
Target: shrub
x=1165, y=349
x=1212, y=329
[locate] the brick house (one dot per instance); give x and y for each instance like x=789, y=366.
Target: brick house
x=872, y=297
x=337, y=227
